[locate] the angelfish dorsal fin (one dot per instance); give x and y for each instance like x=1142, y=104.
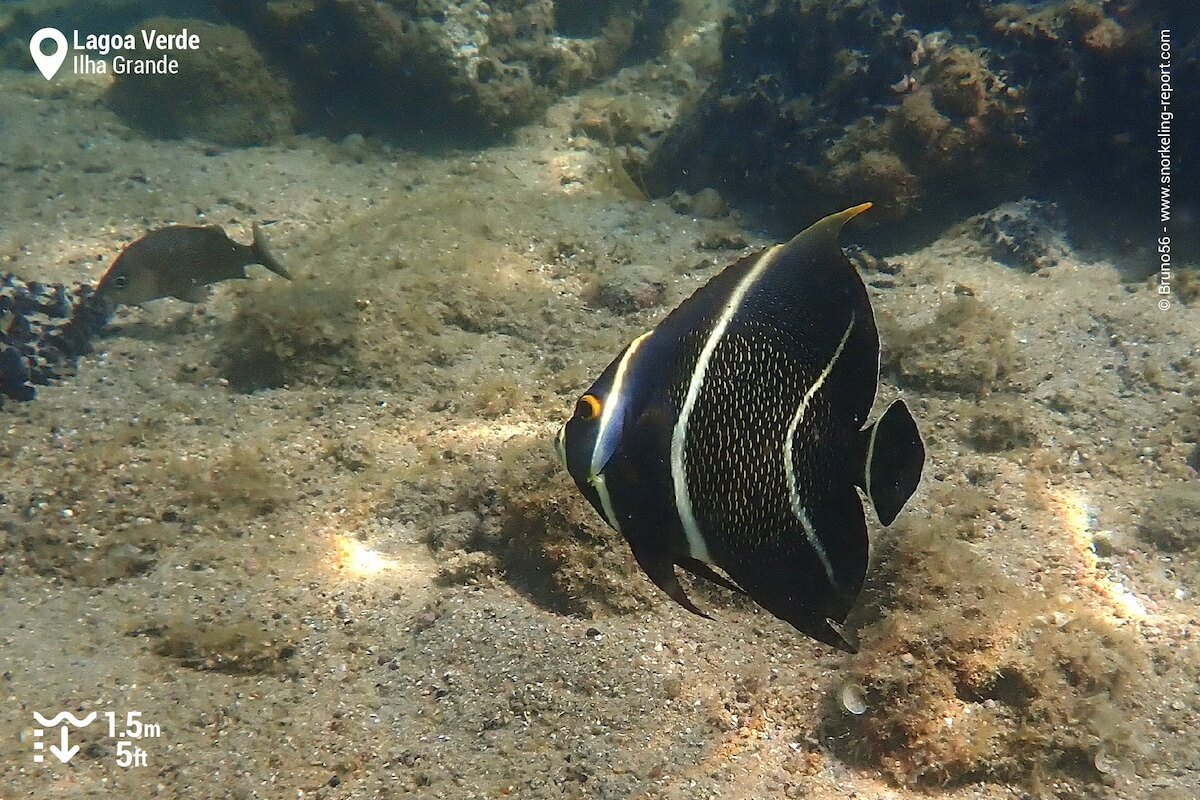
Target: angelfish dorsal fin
x=824, y=232
x=819, y=241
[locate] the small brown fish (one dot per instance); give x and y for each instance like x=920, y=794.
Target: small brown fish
x=181, y=261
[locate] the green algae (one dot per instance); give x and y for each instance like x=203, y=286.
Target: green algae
x=968, y=348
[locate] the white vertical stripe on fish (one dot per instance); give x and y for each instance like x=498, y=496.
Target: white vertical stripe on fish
x=614, y=402
x=560, y=445
x=683, y=499
x=610, y=513
x=606, y=415
x=798, y=509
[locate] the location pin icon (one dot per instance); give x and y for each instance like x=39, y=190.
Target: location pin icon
x=48, y=63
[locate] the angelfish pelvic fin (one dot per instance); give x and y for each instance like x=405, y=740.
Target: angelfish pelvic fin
x=661, y=570
x=702, y=570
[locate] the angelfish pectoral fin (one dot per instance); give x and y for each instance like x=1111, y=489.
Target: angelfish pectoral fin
x=661, y=570
x=846, y=640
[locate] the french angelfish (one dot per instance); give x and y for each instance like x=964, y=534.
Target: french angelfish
x=732, y=436
x=181, y=261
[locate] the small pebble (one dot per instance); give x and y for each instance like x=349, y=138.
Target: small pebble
x=722, y=240
x=631, y=288
x=708, y=204
x=1102, y=544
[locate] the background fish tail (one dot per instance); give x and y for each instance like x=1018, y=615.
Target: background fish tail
x=263, y=253
x=894, y=457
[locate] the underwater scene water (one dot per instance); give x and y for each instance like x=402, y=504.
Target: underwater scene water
x=384, y=384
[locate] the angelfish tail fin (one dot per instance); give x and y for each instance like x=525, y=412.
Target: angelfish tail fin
x=894, y=458
x=263, y=253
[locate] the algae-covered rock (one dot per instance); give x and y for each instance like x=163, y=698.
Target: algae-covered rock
x=998, y=426
x=239, y=644
x=299, y=333
x=630, y=288
x=466, y=71
x=967, y=677
x=930, y=107
x=1026, y=234
x=873, y=111
x=548, y=544
x=224, y=91
x=968, y=348
x=1171, y=520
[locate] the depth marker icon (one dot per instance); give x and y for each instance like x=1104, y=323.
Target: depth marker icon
x=64, y=750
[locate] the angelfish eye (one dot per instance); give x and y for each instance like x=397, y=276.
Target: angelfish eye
x=588, y=408
x=120, y=281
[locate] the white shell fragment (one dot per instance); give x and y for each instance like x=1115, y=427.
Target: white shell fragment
x=854, y=699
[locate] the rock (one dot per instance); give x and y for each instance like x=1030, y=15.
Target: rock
x=469, y=72
x=630, y=118
x=968, y=348
x=889, y=106
x=461, y=567
x=707, y=203
x=1027, y=234
x=455, y=531
x=224, y=91
x=998, y=426
x=1171, y=521
x=630, y=288
x=807, y=135
x=44, y=329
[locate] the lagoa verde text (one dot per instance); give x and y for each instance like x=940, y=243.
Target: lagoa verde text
x=732, y=436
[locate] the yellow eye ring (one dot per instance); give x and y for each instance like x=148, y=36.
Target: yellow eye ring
x=588, y=408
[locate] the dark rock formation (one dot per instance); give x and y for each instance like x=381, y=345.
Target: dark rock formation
x=224, y=91
x=424, y=71
x=935, y=107
x=44, y=328
x=1027, y=234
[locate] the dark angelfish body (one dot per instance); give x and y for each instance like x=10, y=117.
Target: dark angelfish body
x=733, y=435
x=181, y=261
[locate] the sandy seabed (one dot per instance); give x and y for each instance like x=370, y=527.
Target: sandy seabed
x=265, y=576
